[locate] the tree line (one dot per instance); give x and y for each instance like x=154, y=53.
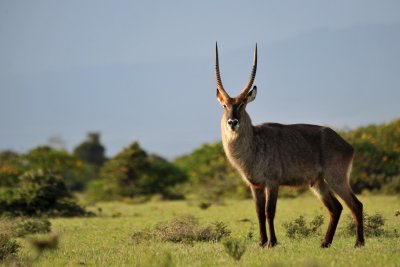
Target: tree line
x=45, y=179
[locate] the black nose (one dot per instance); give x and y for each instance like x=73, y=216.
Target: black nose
x=233, y=122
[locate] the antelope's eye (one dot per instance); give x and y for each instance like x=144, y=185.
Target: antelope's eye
x=224, y=106
x=240, y=106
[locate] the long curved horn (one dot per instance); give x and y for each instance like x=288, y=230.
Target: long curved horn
x=218, y=75
x=252, y=76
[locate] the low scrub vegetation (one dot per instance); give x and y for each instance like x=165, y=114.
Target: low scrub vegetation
x=373, y=225
x=298, y=228
x=8, y=246
x=39, y=193
x=22, y=226
x=185, y=229
x=25, y=226
x=235, y=248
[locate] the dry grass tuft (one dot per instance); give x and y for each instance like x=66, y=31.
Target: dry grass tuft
x=184, y=229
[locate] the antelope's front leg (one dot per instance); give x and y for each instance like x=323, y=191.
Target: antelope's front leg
x=272, y=196
x=259, y=198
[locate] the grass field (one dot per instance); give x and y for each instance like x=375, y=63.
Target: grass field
x=105, y=240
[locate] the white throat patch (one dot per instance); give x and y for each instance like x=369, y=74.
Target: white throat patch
x=235, y=128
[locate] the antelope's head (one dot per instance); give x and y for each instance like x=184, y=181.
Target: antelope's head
x=234, y=108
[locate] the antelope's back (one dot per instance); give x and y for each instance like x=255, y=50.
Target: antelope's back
x=305, y=136
x=301, y=150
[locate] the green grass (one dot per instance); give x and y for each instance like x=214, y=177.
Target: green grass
x=106, y=240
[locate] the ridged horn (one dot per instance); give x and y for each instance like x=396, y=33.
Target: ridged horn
x=218, y=75
x=247, y=88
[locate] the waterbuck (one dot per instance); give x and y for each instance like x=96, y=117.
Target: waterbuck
x=272, y=154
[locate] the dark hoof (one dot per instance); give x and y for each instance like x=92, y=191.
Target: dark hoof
x=325, y=244
x=263, y=244
x=272, y=244
x=359, y=244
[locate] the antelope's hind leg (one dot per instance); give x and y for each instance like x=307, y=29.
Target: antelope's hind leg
x=321, y=189
x=344, y=192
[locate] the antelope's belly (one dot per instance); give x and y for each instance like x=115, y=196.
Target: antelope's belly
x=250, y=181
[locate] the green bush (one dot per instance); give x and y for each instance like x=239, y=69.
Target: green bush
x=133, y=173
x=373, y=225
x=74, y=172
x=220, y=230
x=39, y=193
x=298, y=228
x=8, y=247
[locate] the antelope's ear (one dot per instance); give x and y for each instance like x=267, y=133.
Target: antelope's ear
x=251, y=95
x=220, y=97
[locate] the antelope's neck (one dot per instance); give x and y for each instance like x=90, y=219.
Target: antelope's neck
x=239, y=145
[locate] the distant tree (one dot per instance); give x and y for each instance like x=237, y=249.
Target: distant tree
x=133, y=173
x=163, y=177
x=7, y=155
x=91, y=151
x=126, y=173
x=74, y=171
x=11, y=166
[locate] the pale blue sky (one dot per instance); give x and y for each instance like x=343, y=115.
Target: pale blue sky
x=143, y=70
